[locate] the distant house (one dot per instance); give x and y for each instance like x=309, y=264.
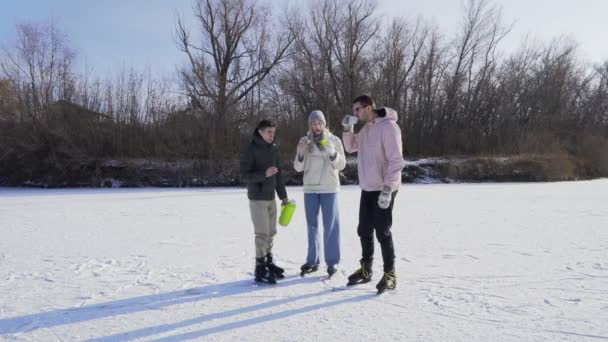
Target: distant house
x=71, y=114
x=60, y=112
x=8, y=100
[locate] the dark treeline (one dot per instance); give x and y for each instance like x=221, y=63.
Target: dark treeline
x=457, y=93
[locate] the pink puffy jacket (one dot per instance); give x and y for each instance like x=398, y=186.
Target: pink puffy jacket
x=380, y=154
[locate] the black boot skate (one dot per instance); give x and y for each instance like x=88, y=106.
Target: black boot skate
x=362, y=275
x=331, y=270
x=276, y=271
x=388, y=282
x=306, y=269
x=262, y=274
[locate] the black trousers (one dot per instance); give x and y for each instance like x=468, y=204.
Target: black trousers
x=372, y=217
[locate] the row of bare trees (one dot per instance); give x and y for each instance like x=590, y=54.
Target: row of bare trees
x=456, y=93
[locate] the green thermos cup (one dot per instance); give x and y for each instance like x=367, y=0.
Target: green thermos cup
x=287, y=211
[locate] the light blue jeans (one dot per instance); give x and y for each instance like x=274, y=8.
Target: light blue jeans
x=328, y=203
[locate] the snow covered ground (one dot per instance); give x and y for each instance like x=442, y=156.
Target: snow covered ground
x=483, y=262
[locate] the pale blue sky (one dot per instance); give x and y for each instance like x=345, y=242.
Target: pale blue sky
x=111, y=33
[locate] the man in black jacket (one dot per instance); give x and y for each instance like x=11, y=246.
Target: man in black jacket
x=260, y=170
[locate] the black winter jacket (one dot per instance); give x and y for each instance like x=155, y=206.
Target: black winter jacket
x=256, y=158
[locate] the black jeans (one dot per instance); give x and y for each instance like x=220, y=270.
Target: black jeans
x=372, y=217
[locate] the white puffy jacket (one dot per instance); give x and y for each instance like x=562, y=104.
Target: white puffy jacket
x=320, y=172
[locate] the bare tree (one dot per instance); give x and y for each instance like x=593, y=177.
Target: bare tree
x=454, y=94
x=355, y=28
x=39, y=66
x=333, y=56
x=237, y=50
x=595, y=111
x=481, y=31
x=427, y=98
x=397, y=55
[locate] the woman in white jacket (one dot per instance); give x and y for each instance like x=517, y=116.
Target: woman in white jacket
x=320, y=155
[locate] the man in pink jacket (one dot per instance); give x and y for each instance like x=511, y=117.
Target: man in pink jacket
x=379, y=164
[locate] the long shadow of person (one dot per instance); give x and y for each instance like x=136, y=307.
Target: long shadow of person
x=49, y=319
x=163, y=328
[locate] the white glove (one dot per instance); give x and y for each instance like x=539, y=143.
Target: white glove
x=330, y=148
x=384, y=200
x=349, y=121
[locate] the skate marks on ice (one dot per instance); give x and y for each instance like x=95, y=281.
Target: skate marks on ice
x=519, y=302
x=589, y=269
x=455, y=256
x=525, y=333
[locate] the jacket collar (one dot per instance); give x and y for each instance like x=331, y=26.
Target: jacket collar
x=257, y=139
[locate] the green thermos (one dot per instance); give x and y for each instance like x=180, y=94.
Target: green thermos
x=287, y=211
